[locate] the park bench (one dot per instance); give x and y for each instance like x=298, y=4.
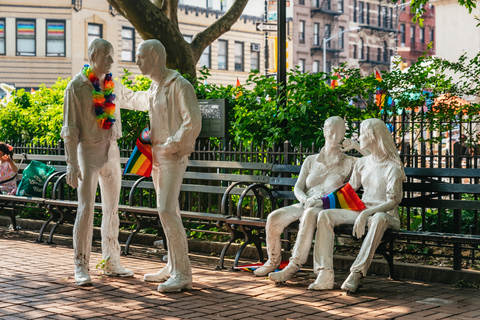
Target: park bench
x=425, y=189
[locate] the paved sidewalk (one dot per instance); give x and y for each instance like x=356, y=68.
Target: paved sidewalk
x=36, y=282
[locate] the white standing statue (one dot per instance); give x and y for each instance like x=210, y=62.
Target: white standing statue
x=91, y=127
x=175, y=123
x=320, y=174
x=381, y=174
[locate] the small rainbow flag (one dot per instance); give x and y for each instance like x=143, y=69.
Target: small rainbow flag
x=255, y=266
x=26, y=29
x=140, y=162
x=344, y=198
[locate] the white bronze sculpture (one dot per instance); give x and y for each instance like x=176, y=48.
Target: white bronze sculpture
x=91, y=127
x=320, y=174
x=381, y=174
x=175, y=123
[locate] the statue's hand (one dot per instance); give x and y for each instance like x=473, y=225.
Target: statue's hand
x=360, y=224
x=313, y=201
x=73, y=175
x=169, y=147
x=349, y=144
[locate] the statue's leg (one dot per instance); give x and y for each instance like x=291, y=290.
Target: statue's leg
x=301, y=248
x=83, y=227
x=277, y=221
x=324, y=243
x=377, y=224
x=110, y=184
x=168, y=180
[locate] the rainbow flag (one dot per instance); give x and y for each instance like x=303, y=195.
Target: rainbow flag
x=380, y=95
x=344, y=198
x=255, y=266
x=25, y=29
x=55, y=30
x=140, y=162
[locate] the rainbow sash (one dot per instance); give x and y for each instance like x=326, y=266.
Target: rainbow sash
x=343, y=198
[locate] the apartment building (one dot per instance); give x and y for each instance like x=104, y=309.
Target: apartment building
x=41, y=41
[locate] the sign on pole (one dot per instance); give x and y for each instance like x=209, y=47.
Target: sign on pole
x=266, y=26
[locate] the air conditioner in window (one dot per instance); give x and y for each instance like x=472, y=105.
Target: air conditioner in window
x=255, y=47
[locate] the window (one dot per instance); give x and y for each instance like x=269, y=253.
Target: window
x=379, y=54
x=340, y=5
x=385, y=51
x=301, y=2
x=422, y=35
x=354, y=10
x=2, y=36
x=385, y=17
x=316, y=3
x=25, y=37
x=432, y=35
x=316, y=66
x=94, y=32
x=55, y=38
x=368, y=13
x=391, y=18
x=301, y=64
x=255, y=57
x=360, y=12
x=402, y=35
x=187, y=38
x=328, y=4
x=362, y=55
x=328, y=67
x=412, y=35
x=222, y=55
x=209, y=4
x=301, y=37
x=328, y=34
x=341, y=40
x=367, y=57
x=128, y=44
x=239, y=56
x=316, y=35
x=205, y=58
x=379, y=22
x=354, y=51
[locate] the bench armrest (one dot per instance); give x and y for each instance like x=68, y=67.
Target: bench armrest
x=255, y=188
x=226, y=194
x=132, y=190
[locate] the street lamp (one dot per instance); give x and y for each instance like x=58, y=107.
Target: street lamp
x=325, y=40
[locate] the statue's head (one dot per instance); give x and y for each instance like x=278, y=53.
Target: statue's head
x=151, y=54
x=375, y=131
x=100, y=56
x=334, y=130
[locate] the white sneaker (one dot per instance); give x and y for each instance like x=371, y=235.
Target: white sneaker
x=82, y=278
x=176, y=284
x=266, y=269
x=116, y=270
x=160, y=276
x=352, y=282
x=325, y=281
x=284, y=275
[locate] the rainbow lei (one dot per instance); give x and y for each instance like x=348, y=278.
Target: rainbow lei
x=104, y=106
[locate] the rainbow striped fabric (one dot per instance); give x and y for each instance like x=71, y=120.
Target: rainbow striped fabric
x=26, y=29
x=344, y=198
x=140, y=162
x=255, y=266
x=55, y=29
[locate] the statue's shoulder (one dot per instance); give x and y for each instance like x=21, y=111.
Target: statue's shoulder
x=76, y=82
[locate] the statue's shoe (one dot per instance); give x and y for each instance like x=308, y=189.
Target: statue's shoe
x=352, y=282
x=176, y=284
x=159, y=276
x=116, y=270
x=325, y=281
x=284, y=275
x=266, y=269
x=82, y=278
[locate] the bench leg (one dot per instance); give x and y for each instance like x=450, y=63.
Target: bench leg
x=129, y=240
x=388, y=254
x=13, y=217
x=249, y=238
x=234, y=235
x=59, y=222
x=44, y=225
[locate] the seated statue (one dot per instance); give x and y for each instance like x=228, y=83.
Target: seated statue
x=381, y=174
x=320, y=174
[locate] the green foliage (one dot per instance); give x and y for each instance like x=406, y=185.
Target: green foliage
x=35, y=117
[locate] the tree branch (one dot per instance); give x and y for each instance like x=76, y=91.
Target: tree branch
x=206, y=37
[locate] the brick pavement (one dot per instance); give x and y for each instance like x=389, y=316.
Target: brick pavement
x=36, y=282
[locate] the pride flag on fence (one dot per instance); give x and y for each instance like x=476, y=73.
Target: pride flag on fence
x=344, y=198
x=140, y=161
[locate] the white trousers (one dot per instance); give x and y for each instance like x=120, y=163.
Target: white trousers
x=167, y=177
x=99, y=162
x=325, y=237
x=279, y=219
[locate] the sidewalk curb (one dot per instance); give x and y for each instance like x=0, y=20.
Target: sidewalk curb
x=378, y=267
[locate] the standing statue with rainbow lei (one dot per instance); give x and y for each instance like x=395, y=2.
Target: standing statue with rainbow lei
x=91, y=127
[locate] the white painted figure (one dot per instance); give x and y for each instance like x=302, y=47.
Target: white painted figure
x=90, y=133
x=381, y=174
x=320, y=174
x=175, y=123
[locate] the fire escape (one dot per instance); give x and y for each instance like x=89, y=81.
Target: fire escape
x=331, y=11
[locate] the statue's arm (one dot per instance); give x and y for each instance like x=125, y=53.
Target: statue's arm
x=128, y=99
x=300, y=185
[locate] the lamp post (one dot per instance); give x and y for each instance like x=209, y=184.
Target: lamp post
x=325, y=40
